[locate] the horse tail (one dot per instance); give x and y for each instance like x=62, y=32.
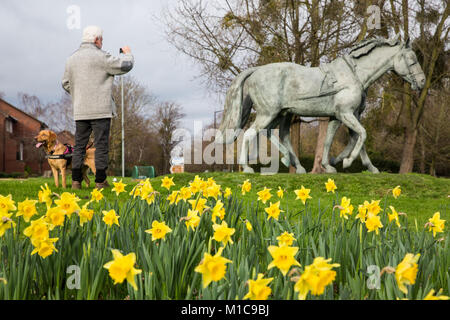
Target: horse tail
x=236, y=110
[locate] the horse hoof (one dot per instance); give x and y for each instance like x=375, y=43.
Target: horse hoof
x=347, y=163
x=300, y=170
x=248, y=170
x=373, y=169
x=330, y=169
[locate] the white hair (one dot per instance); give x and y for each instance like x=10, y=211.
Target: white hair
x=90, y=33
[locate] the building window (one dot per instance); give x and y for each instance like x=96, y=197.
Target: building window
x=20, y=152
x=9, y=126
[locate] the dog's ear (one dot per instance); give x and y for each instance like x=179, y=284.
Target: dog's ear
x=51, y=136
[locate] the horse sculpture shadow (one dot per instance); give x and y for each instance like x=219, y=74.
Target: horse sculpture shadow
x=336, y=90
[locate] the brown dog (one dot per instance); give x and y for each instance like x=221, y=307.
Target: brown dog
x=47, y=139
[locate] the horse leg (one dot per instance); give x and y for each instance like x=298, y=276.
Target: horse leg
x=333, y=126
x=286, y=141
x=366, y=161
x=261, y=122
x=352, y=123
x=346, y=152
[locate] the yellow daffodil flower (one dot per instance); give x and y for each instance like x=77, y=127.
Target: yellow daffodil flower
x=122, y=267
x=406, y=271
x=258, y=289
x=158, y=230
x=283, y=258
x=303, y=194
x=212, y=268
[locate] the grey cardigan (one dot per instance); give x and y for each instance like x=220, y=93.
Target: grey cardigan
x=88, y=78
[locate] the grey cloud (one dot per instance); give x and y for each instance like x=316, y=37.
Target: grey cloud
x=38, y=42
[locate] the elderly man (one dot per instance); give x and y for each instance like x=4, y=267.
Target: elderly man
x=88, y=78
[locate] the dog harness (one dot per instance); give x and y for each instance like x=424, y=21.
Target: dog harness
x=67, y=155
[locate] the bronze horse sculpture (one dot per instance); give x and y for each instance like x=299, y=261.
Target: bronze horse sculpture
x=336, y=90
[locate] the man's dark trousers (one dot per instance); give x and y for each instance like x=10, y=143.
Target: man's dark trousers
x=101, y=143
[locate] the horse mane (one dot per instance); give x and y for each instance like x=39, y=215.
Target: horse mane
x=364, y=47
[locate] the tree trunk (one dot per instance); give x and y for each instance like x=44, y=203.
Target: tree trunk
x=407, y=164
x=422, y=153
x=323, y=125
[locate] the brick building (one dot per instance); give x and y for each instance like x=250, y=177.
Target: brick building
x=17, y=145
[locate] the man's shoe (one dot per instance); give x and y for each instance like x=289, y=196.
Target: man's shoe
x=102, y=185
x=76, y=185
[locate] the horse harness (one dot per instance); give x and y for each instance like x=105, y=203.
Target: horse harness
x=328, y=86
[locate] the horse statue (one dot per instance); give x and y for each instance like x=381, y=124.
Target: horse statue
x=337, y=90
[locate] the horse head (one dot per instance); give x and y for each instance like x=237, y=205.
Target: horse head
x=407, y=66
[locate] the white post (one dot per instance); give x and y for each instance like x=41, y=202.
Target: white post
x=123, y=135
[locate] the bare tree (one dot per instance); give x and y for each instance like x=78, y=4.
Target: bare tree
x=429, y=34
x=167, y=119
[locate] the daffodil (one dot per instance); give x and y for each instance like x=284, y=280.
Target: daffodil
x=85, y=214
x=362, y=212
x=285, y=238
x=167, y=182
x=436, y=224
x=315, y=278
x=37, y=231
x=192, y=219
x=273, y=211
x=330, y=185
x=218, y=211
x=174, y=197
x=394, y=216
x=122, y=267
x=199, y=205
x=283, y=258
x=27, y=209
x=7, y=204
x=227, y=193
x=119, y=187
x=212, y=190
x=248, y=225
x=5, y=222
x=45, y=195
x=136, y=191
x=264, y=195
x=406, y=271
x=373, y=223
x=158, y=230
x=303, y=194
x=246, y=187
x=396, y=192
x=280, y=193
x=431, y=296
x=110, y=217
x=222, y=233
x=55, y=217
x=196, y=185
x=373, y=207
x=346, y=208
x=212, y=268
x=68, y=202
x=185, y=193
x=96, y=195
x=45, y=247
x=258, y=289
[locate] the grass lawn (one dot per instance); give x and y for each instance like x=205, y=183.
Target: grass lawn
x=421, y=196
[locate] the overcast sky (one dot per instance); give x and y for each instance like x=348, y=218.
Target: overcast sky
x=35, y=42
